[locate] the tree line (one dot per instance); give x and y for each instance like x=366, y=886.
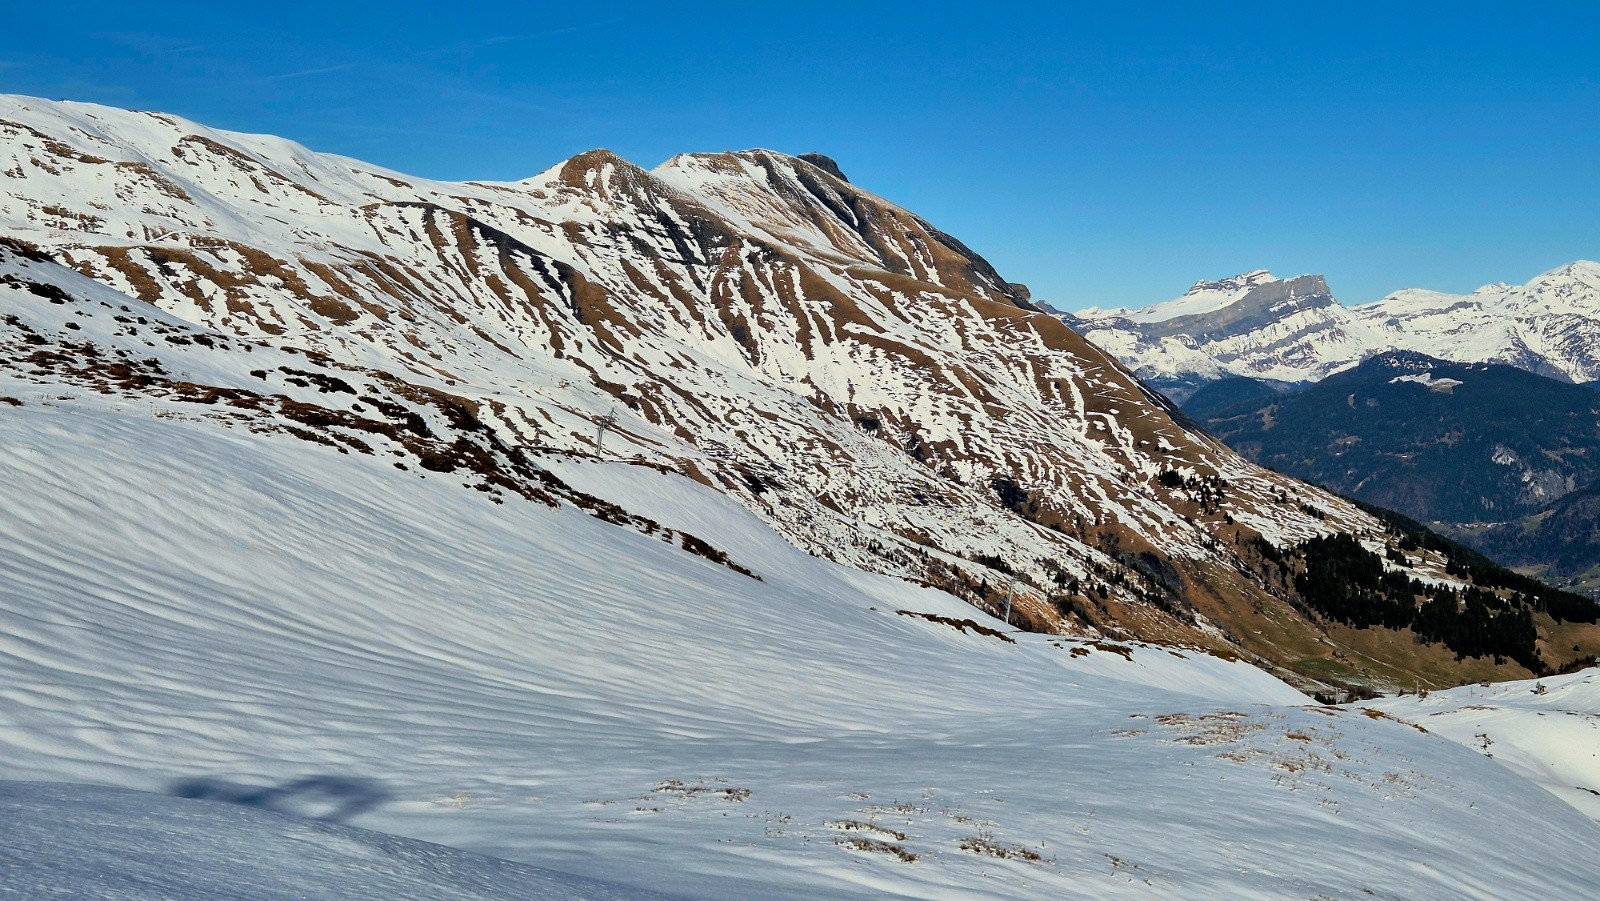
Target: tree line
x=1349, y=584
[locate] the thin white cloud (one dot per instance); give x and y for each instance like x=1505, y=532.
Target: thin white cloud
x=499, y=39
x=342, y=67
x=534, y=36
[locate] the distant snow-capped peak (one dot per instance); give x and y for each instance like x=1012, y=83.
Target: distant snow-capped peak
x=1203, y=297
x=1549, y=325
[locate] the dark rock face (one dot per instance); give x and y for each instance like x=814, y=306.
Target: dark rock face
x=825, y=163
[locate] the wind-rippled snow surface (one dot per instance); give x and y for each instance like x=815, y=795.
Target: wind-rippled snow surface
x=92, y=843
x=204, y=612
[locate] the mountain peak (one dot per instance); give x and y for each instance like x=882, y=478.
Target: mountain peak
x=1582, y=270
x=1234, y=283
x=599, y=175
x=594, y=161
x=1210, y=297
x=1256, y=326
x=1494, y=288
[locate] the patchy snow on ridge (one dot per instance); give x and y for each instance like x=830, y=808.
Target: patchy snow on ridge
x=859, y=380
x=1426, y=380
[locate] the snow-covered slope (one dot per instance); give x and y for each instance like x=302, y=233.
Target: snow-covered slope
x=856, y=378
x=1550, y=326
x=1547, y=730
x=244, y=616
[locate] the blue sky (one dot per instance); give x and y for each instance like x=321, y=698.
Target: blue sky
x=1106, y=154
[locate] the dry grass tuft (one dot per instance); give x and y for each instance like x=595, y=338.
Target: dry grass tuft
x=984, y=843
x=876, y=847
x=1380, y=715
x=961, y=624
x=685, y=790
x=858, y=826
x=1224, y=727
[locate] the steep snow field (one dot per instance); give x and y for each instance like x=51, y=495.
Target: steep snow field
x=1546, y=729
x=200, y=611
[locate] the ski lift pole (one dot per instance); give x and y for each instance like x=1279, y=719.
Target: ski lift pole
x=601, y=423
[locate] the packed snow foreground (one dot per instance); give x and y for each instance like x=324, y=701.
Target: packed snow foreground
x=92, y=842
x=219, y=615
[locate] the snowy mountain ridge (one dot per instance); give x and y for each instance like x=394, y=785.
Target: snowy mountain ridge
x=860, y=380
x=1204, y=297
x=1549, y=326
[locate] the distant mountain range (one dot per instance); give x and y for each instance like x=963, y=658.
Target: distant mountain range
x=1457, y=442
x=1505, y=462
x=1258, y=326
